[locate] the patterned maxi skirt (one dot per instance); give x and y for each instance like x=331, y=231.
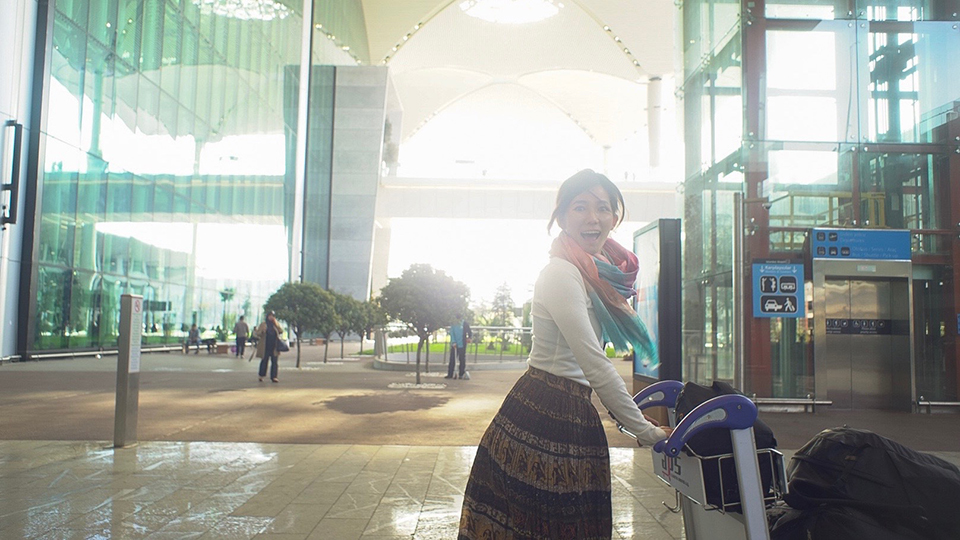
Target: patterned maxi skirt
x=542, y=470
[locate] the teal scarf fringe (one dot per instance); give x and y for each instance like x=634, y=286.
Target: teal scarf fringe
x=623, y=330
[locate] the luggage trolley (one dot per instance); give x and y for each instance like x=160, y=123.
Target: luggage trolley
x=707, y=515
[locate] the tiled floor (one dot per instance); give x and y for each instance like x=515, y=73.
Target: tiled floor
x=201, y=490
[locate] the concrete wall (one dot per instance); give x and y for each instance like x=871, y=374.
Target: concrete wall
x=359, y=114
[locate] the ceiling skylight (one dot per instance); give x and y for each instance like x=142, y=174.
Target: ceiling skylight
x=511, y=11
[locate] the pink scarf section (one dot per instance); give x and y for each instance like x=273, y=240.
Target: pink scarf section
x=567, y=248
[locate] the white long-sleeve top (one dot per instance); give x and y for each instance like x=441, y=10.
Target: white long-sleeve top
x=567, y=343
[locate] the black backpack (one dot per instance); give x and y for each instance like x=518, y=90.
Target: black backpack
x=879, y=477
x=716, y=442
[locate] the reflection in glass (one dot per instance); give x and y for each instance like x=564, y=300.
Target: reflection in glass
x=914, y=81
x=164, y=166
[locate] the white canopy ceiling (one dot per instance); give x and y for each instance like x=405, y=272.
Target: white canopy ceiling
x=591, y=61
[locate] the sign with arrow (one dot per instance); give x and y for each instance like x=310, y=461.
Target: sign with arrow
x=777, y=289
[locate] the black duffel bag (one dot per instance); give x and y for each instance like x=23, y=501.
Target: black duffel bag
x=878, y=476
x=840, y=523
x=716, y=442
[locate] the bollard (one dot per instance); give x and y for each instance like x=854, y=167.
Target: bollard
x=128, y=371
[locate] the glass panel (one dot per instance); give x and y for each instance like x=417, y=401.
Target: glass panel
x=791, y=354
x=874, y=10
x=914, y=81
x=809, y=185
x=810, y=90
x=898, y=191
x=809, y=9
x=66, y=82
x=728, y=102
x=907, y=10
x=708, y=300
x=172, y=40
x=151, y=40
x=84, y=324
x=128, y=36
x=102, y=22
x=158, y=185
x=930, y=305
x=708, y=26
x=53, y=307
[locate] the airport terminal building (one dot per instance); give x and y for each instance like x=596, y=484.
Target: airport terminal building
x=168, y=148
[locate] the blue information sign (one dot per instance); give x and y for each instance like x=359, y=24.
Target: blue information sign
x=875, y=244
x=777, y=289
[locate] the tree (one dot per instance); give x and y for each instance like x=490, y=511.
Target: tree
x=503, y=306
x=425, y=300
x=226, y=295
x=306, y=307
x=503, y=313
x=349, y=317
x=373, y=317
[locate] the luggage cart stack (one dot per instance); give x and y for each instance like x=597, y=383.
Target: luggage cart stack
x=712, y=508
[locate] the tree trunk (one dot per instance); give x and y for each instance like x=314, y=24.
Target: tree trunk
x=298, y=348
x=326, y=343
x=419, y=348
x=361, y=343
x=341, y=346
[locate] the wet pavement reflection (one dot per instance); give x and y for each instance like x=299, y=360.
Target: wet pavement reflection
x=204, y=490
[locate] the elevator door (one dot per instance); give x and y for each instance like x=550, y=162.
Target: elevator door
x=868, y=344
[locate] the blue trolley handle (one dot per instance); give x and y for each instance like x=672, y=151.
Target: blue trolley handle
x=659, y=394
x=731, y=411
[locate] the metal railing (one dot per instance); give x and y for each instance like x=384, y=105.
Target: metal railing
x=924, y=402
x=488, y=344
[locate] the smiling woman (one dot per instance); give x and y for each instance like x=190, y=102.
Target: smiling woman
x=547, y=422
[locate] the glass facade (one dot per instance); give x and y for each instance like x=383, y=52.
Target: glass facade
x=847, y=118
x=165, y=158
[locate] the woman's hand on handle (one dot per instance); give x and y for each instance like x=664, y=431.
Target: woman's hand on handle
x=666, y=430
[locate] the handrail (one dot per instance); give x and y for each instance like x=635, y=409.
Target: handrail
x=103, y=352
x=9, y=214
x=809, y=403
x=923, y=402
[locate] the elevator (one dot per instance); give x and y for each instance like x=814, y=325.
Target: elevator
x=862, y=319
x=867, y=349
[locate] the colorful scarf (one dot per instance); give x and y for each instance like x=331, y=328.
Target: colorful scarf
x=609, y=287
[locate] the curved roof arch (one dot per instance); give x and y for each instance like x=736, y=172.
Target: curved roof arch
x=592, y=61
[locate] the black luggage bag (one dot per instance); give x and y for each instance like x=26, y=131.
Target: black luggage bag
x=877, y=476
x=840, y=523
x=716, y=442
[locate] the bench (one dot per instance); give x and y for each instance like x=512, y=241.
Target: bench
x=209, y=343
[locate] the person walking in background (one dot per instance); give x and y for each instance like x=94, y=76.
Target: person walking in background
x=542, y=469
x=459, y=334
x=242, y=331
x=268, y=346
x=193, y=338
